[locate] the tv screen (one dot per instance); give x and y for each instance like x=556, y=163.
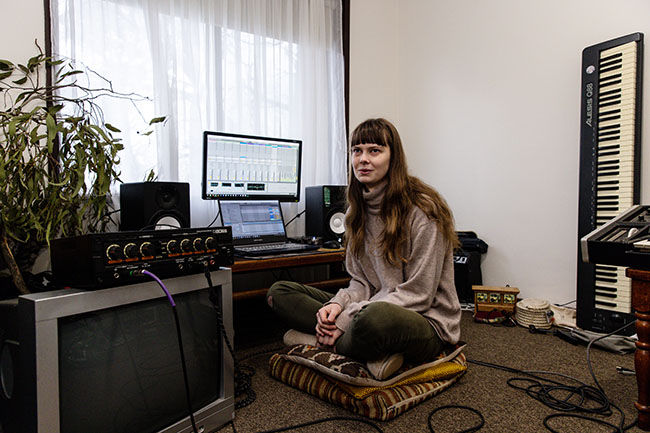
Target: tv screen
x=246, y=167
x=109, y=361
x=128, y=358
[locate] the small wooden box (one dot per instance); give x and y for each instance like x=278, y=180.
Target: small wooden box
x=490, y=298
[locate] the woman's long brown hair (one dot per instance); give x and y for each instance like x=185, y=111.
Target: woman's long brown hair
x=402, y=193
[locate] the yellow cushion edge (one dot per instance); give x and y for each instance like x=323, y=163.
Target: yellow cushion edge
x=442, y=371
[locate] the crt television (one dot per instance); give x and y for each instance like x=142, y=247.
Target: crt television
x=247, y=167
x=108, y=361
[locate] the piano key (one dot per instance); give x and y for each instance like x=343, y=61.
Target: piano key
x=613, y=297
x=623, y=301
x=626, y=122
x=602, y=217
x=604, y=305
x=623, y=145
x=626, y=195
x=612, y=141
x=619, y=49
x=619, y=293
x=625, y=73
x=605, y=178
x=603, y=209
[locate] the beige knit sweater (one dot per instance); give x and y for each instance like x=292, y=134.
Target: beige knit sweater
x=425, y=283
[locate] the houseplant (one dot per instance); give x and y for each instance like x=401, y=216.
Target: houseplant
x=59, y=159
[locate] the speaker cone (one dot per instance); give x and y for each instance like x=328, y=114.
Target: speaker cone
x=167, y=222
x=167, y=198
x=337, y=223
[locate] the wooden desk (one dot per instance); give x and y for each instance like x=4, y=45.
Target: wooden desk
x=317, y=258
x=641, y=306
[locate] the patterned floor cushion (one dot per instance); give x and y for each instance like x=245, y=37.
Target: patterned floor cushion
x=348, y=383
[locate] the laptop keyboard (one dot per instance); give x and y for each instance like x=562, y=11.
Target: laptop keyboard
x=275, y=248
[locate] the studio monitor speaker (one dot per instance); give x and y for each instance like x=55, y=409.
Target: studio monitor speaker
x=154, y=205
x=325, y=211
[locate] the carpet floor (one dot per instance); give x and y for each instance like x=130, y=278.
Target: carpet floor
x=482, y=388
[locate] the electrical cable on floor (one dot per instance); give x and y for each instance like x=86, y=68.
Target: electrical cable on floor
x=321, y=421
x=557, y=395
x=180, y=343
x=452, y=406
x=552, y=393
x=243, y=373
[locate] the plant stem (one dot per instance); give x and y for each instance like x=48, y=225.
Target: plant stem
x=9, y=259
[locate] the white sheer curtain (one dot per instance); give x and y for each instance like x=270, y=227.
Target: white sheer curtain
x=258, y=67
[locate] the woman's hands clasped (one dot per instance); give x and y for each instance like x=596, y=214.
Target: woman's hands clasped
x=326, y=330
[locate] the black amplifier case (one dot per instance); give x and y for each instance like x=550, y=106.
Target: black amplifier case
x=467, y=265
x=100, y=260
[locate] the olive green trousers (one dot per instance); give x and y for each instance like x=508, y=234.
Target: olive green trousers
x=377, y=330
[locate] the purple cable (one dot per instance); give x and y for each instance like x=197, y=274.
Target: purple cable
x=171, y=300
x=180, y=345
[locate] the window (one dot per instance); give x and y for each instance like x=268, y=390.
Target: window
x=256, y=67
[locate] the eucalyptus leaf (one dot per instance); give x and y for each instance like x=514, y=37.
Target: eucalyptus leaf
x=55, y=109
x=157, y=120
x=57, y=169
x=51, y=132
x=13, y=124
x=6, y=65
x=111, y=128
x=22, y=96
x=34, y=61
x=70, y=73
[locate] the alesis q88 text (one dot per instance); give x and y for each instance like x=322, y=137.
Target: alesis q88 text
x=610, y=138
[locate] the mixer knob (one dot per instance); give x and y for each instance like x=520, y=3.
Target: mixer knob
x=131, y=251
x=198, y=244
x=172, y=247
x=114, y=252
x=186, y=245
x=147, y=249
x=211, y=243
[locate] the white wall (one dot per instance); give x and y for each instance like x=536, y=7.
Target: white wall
x=21, y=22
x=373, y=60
x=486, y=96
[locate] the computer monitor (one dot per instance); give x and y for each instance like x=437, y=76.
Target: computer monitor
x=247, y=167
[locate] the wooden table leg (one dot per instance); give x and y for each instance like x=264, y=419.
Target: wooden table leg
x=641, y=306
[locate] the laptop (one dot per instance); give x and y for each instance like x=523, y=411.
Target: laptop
x=258, y=228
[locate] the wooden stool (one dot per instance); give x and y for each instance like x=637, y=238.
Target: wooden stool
x=641, y=306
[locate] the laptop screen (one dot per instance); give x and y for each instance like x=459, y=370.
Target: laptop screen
x=253, y=221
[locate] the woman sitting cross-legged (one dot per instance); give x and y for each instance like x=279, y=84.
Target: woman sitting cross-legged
x=401, y=302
